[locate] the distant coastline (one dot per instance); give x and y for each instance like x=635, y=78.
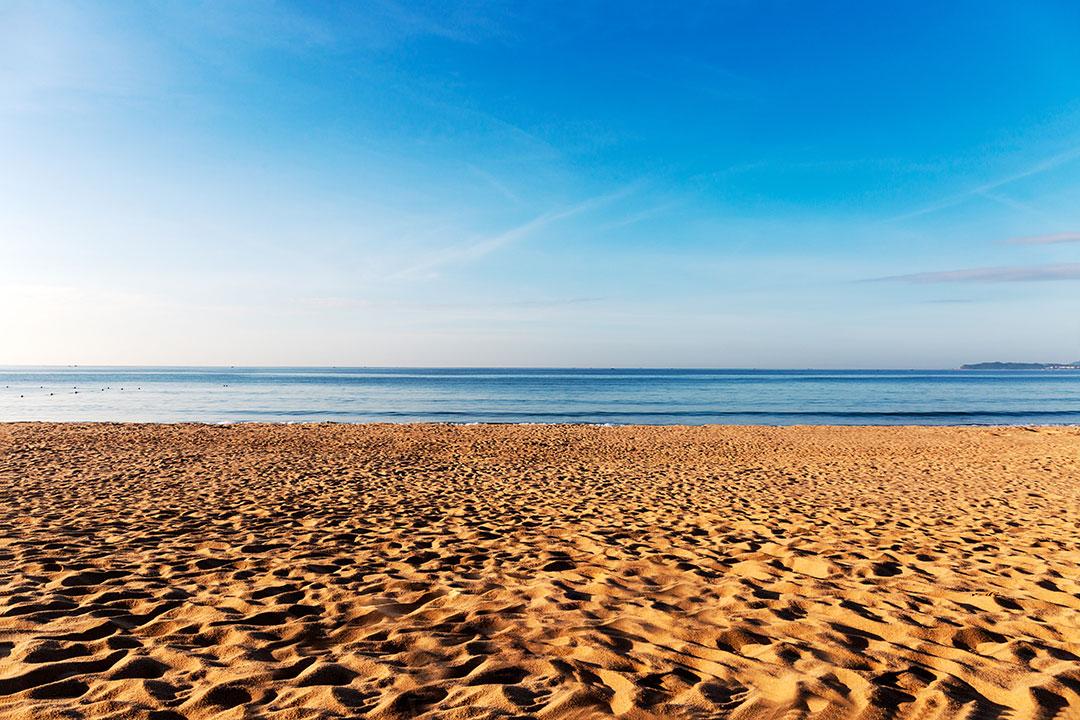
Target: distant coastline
x=1021, y=366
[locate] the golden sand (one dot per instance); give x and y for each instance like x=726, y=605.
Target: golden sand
x=314, y=571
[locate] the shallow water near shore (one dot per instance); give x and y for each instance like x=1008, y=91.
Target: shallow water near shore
x=599, y=396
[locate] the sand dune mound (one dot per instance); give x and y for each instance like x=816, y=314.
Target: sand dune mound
x=322, y=571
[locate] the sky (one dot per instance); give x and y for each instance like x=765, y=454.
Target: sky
x=723, y=184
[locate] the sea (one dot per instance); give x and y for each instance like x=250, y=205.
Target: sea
x=536, y=395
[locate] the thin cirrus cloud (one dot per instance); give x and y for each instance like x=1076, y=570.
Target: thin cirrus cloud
x=462, y=253
x=1026, y=273
x=1053, y=239
x=1044, y=165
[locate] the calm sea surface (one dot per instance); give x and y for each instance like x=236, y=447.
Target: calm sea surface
x=660, y=397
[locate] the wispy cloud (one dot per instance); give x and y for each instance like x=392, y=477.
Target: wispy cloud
x=498, y=185
x=1052, y=239
x=1028, y=273
x=981, y=190
x=641, y=216
x=466, y=252
x=64, y=56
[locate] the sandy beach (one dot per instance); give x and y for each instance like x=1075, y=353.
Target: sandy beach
x=311, y=571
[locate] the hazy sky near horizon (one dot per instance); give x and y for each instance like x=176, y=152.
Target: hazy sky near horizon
x=734, y=184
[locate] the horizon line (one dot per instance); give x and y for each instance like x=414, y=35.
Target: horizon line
x=20, y=366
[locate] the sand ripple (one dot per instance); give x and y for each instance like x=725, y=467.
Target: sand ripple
x=189, y=572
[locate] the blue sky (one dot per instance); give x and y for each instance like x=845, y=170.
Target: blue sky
x=765, y=184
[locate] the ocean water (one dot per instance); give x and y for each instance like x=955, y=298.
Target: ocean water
x=619, y=396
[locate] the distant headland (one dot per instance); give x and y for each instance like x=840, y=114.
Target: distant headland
x=1021, y=366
